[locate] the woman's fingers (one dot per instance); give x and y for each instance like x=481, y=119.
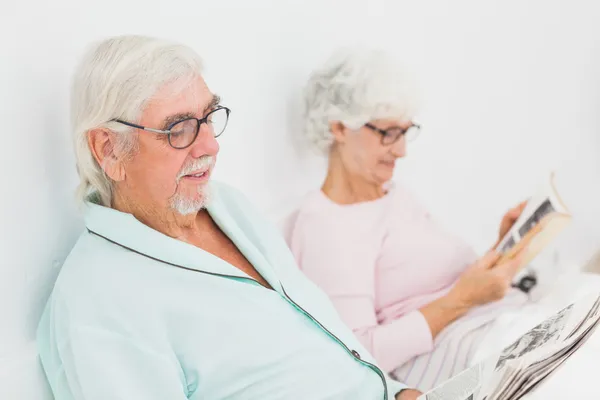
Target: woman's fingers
x=510, y=268
x=489, y=259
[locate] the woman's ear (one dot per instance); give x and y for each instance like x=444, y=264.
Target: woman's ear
x=103, y=144
x=338, y=130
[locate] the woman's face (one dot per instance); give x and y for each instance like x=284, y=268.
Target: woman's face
x=363, y=152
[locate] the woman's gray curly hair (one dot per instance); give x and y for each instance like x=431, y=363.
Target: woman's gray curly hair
x=354, y=87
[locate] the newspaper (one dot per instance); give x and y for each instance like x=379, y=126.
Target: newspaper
x=463, y=386
x=527, y=362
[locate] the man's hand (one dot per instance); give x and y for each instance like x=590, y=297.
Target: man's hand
x=408, y=394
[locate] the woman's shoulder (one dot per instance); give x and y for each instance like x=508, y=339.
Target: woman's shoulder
x=319, y=214
x=322, y=231
x=320, y=211
x=315, y=203
x=406, y=202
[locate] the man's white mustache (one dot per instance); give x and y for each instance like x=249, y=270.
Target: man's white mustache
x=204, y=162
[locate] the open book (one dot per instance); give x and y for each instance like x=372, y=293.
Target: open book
x=543, y=218
x=523, y=365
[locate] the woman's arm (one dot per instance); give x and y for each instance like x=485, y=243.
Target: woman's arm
x=479, y=284
x=342, y=263
x=394, y=343
x=442, y=312
x=483, y=282
x=391, y=344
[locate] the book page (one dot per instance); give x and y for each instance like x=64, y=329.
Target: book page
x=543, y=218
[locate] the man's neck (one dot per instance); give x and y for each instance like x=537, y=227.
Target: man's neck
x=161, y=218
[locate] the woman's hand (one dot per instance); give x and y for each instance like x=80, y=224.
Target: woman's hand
x=481, y=283
x=484, y=281
x=509, y=220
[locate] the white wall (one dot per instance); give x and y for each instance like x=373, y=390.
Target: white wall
x=511, y=88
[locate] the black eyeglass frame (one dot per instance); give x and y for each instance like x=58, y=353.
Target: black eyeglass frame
x=401, y=132
x=168, y=131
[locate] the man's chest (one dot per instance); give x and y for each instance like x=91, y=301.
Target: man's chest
x=218, y=244
x=257, y=344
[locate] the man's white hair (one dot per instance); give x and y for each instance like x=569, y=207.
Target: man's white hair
x=115, y=79
x=355, y=86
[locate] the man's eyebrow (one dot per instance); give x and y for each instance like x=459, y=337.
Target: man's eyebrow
x=171, y=119
x=175, y=118
x=215, y=101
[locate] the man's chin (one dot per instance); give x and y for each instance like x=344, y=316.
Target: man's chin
x=191, y=203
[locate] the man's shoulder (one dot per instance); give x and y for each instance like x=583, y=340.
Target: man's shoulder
x=90, y=266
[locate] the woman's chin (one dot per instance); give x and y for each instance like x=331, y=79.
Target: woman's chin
x=383, y=178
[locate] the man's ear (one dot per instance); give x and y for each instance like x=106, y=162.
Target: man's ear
x=338, y=130
x=103, y=144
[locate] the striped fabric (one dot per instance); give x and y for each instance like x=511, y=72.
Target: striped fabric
x=455, y=346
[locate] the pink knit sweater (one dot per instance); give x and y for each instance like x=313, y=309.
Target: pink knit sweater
x=379, y=261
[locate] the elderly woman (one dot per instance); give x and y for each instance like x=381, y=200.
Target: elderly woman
x=416, y=296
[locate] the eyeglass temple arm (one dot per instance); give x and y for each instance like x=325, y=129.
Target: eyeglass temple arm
x=376, y=129
x=141, y=127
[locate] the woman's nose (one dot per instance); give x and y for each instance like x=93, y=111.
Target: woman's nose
x=399, y=147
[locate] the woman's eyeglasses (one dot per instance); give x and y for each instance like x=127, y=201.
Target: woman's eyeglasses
x=391, y=135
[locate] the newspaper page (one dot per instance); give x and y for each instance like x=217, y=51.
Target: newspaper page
x=529, y=360
x=544, y=333
x=535, y=378
x=548, y=344
x=547, y=359
x=540, y=335
x=463, y=386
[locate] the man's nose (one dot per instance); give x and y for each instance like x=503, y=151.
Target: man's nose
x=205, y=144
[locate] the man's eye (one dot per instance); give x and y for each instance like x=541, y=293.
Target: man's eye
x=177, y=131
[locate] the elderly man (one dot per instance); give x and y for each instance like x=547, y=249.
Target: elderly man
x=178, y=289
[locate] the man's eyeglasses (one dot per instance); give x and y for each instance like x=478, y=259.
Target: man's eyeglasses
x=391, y=135
x=181, y=134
